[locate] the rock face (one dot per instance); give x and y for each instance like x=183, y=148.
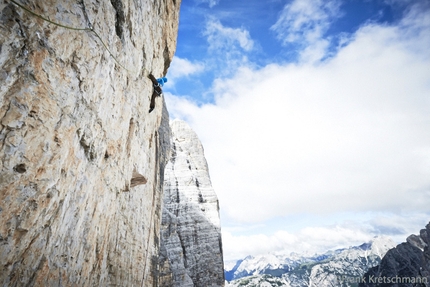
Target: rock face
x=406, y=265
x=81, y=160
x=190, y=233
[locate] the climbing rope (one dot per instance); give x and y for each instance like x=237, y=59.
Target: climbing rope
x=89, y=29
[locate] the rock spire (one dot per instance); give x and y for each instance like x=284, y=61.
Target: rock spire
x=191, y=234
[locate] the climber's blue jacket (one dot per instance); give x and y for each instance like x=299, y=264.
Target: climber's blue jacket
x=161, y=81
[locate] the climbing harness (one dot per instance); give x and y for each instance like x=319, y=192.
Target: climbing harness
x=156, y=83
x=157, y=90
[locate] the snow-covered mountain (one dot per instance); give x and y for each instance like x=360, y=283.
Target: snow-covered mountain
x=271, y=264
x=341, y=267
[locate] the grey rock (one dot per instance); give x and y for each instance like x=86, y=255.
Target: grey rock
x=190, y=233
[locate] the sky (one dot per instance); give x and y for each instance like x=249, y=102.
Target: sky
x=314, y=116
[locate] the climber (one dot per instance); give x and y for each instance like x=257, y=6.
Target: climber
x=161, y=81
x=157, y=83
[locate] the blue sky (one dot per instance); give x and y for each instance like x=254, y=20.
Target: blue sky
x=256, y=19
x=314, y=115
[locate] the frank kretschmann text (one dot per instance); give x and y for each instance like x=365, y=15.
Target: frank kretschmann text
x=381, y=279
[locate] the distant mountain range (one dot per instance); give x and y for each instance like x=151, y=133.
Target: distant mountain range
x=341, y=267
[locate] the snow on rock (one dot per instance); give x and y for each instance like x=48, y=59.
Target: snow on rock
x=329, y=269
x=348, y=265
x=263, y=264
x=191, y=233
x=260, y=281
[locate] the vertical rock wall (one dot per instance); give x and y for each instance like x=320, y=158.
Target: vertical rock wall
x=191, y=251
x=81, y=159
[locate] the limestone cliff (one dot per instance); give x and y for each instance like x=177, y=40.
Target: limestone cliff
x=190, y=232
x=81, y=160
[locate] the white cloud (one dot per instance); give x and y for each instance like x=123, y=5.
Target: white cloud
x=184, y=68
x=227, y=47
x=211, y=3
x=350, y=134
x=319, y=239
x=305, y=22
x=314, y=52
x=224, y=38
x=307, y=241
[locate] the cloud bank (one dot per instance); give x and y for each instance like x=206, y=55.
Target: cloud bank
x=347, y=134
x=319, y=239
x=350, y=133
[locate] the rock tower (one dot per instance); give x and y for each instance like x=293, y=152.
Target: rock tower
x=190, y=232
